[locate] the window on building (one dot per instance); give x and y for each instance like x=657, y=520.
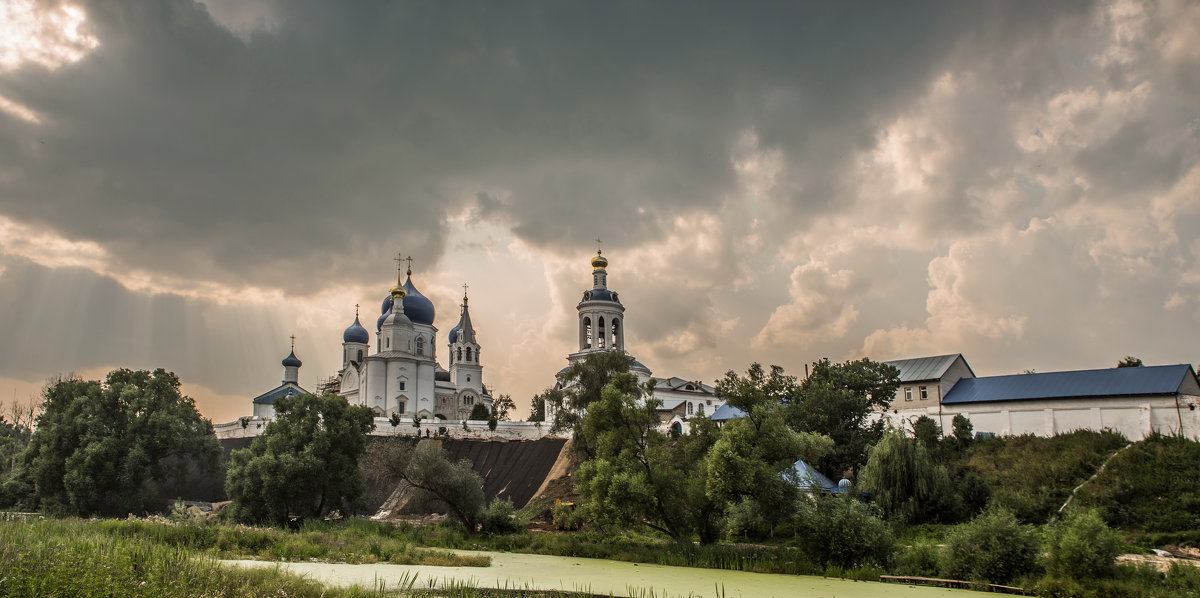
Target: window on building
x=399, y=406
x=689, y=408
x=460, y=353
x=389, y=343
x=587, y=333
x=600, y=334
x=420, y=345
x=907, y=393
x=924, y=392
x=700, y=409
x=468, y=354
x=402, y=384
x=359, y=355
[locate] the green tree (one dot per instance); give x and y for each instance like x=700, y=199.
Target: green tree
x=426, y=467
x=394, y=420
x=101, y=448
x=636, y=476
x=581, y=385
x=904, y=481
x=963, y=431
x=994, y=547
x=837, y=400
x=306, y=462
x=479, y=412
x=537, y=405
x=1130, y=362
x=927, y=432
x=502, y=407
x=753, y=457
x=1082, y=546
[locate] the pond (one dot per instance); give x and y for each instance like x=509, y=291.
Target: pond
x=536, y=571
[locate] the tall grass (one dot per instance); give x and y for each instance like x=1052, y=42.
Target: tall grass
x=75, y=558
x=352, y=542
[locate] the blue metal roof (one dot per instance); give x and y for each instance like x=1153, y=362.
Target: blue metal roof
x=1113, y=382
x=727, y=412
x=808, y=478
x=924, y=368
x=417, y=307
x=286, y=389
x=355, y=333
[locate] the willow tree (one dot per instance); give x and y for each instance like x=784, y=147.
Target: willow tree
x=904, y=481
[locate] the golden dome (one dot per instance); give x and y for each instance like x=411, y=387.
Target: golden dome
x=599, y=262
x=397, y=292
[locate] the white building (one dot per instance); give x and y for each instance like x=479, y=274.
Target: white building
x=403, y=376
x=264, y=404
x=1135, y=401
x=602, y=328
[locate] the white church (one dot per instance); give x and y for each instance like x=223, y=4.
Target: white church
x=402, y=375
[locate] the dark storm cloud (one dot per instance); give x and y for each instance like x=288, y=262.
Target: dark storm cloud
x=281, y=157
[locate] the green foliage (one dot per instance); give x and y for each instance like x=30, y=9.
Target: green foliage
x=636, y=475
x=927, y=432
x=537, y=405
x=994, y=547
x=1082, y=546
x=426, y=467
x=583, y=384
x=395, y=420
x=963, y=430
x=837, y=400
x=753, y=457
x=1130, y=362
x=919, y=560
x=566, y=516
x=905, y=482
x=500, y=517
x=100, y=448
x=479, y=413
x=1032, y=476
x=304, y=464
x=1153, y=486
x=843, y=532
x=502, y=406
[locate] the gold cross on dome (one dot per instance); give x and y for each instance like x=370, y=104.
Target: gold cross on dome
x=293, y=342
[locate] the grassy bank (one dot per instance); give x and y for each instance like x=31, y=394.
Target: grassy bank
x=91, y=559
x=354, y=541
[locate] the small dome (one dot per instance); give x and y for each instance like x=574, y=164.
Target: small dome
x=599, y=261
x=355, y=333
x=417, y=307
x=454, y=333
x=290, y=361
x=387, y=304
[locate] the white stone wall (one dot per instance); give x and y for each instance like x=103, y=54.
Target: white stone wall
x=383, y=427
x=1135, y=417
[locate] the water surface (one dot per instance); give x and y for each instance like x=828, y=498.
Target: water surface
x=536, y=571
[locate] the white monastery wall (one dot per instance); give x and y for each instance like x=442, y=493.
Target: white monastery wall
x=383, y=427
x=1135, y=417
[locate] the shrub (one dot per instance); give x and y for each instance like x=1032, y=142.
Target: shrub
x=1153, y=486
x=566, y=516
x=843, y=532
x=994, y=547
x=1082, y=546
x=921, y=560
x=500, y=517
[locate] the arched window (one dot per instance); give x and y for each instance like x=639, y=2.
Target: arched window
x=468, y=354
x=359, y=355
x=420, y=345
x=600, y=333
x=460, y=353
x=616, y=326
x=700, y=409
x=689, y=408
x=586, y=341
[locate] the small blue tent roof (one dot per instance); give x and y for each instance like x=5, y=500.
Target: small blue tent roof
x=810, y=479
x=727, y=412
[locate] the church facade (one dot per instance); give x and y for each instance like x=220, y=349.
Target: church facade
x=402, y=375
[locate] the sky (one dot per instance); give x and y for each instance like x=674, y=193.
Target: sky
x=187, y=184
